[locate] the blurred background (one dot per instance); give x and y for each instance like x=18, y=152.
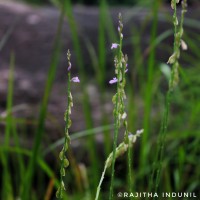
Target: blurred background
x=34, y=39
x=110, y=2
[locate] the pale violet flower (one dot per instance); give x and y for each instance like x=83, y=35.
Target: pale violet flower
x=184, y=45
x=69, y=67
x=75, y=79
x=118, y=29
x=139, y=132
x=114, y=80
x=124, y=115
x=114, y=45
x=126, y=68
x=132, y=137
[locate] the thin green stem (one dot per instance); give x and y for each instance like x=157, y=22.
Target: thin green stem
x=130, y=181
x=114, y=145
x=85, y=102
x=149, y=86
x=116, y=119
x=119, y=151
x=66, y=141
x=159, y=153
x=178, y=31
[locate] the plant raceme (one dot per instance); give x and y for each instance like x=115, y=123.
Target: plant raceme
x=62, y=156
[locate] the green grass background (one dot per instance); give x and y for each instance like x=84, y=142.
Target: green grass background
x=25, y=172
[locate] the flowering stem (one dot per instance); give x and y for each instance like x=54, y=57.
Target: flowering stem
x=118, y=99
x=116, y=122
x=119, y=150
x=178, y=31
x=67, y=139
x=62, y=156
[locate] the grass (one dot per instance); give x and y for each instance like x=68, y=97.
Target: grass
x=43, y=112
x=149, y=87
x=148, y=105
x=86, y=105
x=7, y=191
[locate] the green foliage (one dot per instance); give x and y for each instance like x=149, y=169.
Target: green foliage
x=173, y=82
x=62, y=154
x=27, y=182
x=120, y=62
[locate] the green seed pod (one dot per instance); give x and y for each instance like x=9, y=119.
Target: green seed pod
x=66, y=147
x=62, y=171
x=59, y=193
x=172, y=4
x=65, y=115
x=114, y=99
x=63, y=185
x=172, y=58
x=69, y=123
x=61, y=155
x=65, y=162
x=176, y=21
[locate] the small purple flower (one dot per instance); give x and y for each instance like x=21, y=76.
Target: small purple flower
x=126, y=69
x=118, y=29
x=114, y=45
x=75, y=79
x=114, y=80
x=69, y=67
x=139, y=132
